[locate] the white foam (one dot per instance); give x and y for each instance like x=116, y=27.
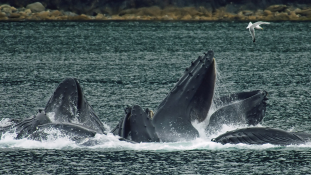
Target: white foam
x=110, y=142
x=5, y=122
x=51, y=116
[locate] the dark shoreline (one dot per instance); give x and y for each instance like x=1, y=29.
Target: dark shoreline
x=37, y=12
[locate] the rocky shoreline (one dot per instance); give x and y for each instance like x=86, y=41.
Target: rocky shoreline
x=279, y=12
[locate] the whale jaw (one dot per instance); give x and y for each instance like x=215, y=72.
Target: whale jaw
x=188, y=101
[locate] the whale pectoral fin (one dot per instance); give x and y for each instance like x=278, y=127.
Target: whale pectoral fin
x=73, y=131
x=259, y=136
x=68, y=104
x=240, y=108
x=29, y=125
x=142, y=129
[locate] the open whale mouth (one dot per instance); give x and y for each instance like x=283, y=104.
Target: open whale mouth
x=195, y=89
x=237, y=97
x=238, y=109
x=80, y=96
x=69, y=105
x=196, y=85
x=189, y=100
x=65, y=101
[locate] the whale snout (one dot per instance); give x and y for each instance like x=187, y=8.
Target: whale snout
x=210, y=54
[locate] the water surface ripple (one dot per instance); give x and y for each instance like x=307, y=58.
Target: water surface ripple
x=121, y=63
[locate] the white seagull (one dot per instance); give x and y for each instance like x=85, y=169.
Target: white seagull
x=254, y=26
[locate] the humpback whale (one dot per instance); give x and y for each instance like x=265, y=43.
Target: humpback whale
x=190, y=100
x=263, y=135
x=136, y=125
x=69, y=105
x=67, y=111
x=238, y=108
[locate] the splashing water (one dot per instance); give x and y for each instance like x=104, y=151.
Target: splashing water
x=109, y=142
x=5, y=122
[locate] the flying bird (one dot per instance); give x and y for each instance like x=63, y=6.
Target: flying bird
x=254, y=26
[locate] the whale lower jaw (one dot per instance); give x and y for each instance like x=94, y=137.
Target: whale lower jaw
x=189, y=100
x=263, y=135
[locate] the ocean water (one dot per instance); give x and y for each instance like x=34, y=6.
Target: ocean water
x=127, y=63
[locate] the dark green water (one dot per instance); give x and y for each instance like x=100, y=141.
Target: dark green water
x=120, y=63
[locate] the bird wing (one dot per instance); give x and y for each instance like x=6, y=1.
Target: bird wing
x=259, y=23
x=252, y=31
x=249, y=25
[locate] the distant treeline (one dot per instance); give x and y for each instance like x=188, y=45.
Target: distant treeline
x=92, y=7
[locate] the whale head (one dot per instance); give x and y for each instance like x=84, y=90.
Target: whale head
x=68, y=104
x=189, y=100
